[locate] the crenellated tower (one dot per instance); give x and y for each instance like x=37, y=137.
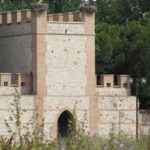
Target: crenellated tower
x=50, y=59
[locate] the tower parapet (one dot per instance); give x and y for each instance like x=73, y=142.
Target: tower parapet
x=11, y=81
x=15, y=17
x=66, y=17
x=109, y=84
x=25, y=16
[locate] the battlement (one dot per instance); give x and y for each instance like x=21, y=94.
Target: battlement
x=25, y=16
x=9, y=81
x=66, y=17
x=116, y=81
x=109, y=84
x=15, y=17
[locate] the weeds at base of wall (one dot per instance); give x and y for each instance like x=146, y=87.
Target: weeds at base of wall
x=78, y=140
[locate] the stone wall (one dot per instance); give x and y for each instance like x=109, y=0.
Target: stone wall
x=66, y=75
x=66, y=59
x=55, y=106
x=6, y=108
x=113, y=91
x=117, y=113
x=15, y=47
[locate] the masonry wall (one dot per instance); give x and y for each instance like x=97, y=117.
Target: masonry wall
x=66, y=75
x=7, y=109
x=64, y=65
x=117, y=114
x=55, y=106
x=15, y=47
x=66, y=59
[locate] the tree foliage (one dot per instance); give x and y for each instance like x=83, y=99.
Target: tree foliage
x=123, y=40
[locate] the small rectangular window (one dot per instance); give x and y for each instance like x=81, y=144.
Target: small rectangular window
x=117, y=81
x=5, y=83
x=100, y=80
x=125, y=85
x=23, y=83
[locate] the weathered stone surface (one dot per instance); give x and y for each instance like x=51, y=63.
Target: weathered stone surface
x=55, y=106
x=7, y=109
x=105, y=91
x=15, y=46
x=117, y=102
x=117, y=111
x=66, y=56
x=107, y=128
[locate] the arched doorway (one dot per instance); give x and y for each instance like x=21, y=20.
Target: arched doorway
x=66, y=124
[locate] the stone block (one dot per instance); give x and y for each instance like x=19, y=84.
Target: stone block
x=64, y=102
x=127, y=117
x=105, y=129
x=108, y=117
x=117, y=103
x=128, y=129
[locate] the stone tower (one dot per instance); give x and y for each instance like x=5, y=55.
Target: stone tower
x=64, y=67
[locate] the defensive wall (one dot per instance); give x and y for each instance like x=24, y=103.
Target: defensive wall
x=57, y=54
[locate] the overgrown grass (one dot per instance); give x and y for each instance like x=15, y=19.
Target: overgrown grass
x=78, y=142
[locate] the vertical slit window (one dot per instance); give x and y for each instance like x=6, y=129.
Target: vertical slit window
x=100, y=80
x=117, y=81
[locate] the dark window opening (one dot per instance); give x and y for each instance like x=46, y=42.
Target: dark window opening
x=117, y=81
x=100, y=80
x=66, y=124
x=5, y=83
x=23, y=84
x=125, y=85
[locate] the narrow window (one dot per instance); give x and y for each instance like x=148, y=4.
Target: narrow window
x=117, y=81
x=23, y=83
x=5, y=83
x=125, y=85
x=100, y=80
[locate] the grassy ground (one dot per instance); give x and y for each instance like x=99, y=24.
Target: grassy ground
x=78, y=142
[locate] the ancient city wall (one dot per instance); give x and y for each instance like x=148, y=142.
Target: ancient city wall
x=54, y=106
x=117, y=114
x=117, y=108
x=7, y=109
x=63, y=73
